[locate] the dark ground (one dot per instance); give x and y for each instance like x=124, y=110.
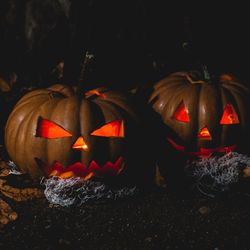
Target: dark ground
x=155, y=220
x=158, y=218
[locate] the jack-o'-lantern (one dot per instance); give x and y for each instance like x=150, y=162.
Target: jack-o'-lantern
x=56, y=132
x=205, y=116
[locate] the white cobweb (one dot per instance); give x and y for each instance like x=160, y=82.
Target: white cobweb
x=217, y=174
x=76, y=191
x=13, y=169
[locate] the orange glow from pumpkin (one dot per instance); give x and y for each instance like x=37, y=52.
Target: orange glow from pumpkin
x=111, y=129
x=203, y=152
x=80, y=144
x=229, y=115
x=94, y=92
x=181, y=113
x=50, y=130
x=226, y=77
x=205, y=134
x=78, y=169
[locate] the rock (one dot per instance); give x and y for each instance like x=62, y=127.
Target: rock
x=204, y=210
x=64, y=242
x=246, y=172
x=148, y=239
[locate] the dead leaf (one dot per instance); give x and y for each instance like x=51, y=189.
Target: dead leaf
x=4, y=169
x=6, y=213
x=4, y=172
x=7, y=84
x=20, y=194
x=159, y=179
x=58, y=70
x=3, y=165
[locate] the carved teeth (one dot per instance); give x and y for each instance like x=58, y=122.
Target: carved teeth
x=203, y=152
x=78, y=169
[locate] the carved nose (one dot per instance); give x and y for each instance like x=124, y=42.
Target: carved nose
x=80, y=144
x=204, y=134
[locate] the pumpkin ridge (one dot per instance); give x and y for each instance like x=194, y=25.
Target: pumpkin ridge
x=200, y=123
x=30, y=95
x=236, y=85
x=112, y=95
x=18, y=153
x=35, y=116
x=63, y=89
x=86, y=107
x=194, y=111
x=112, y=109
x=19, y=107
x=167, y=86
x=232, y=88
x=14, y=134
x=57, y=108
x=173, y=96
x=170, y=81
x=113, y=104
x=123, y=105
x=110, y=106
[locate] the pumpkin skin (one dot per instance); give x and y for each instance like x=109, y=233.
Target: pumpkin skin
x=80, y=118
x=199, y=127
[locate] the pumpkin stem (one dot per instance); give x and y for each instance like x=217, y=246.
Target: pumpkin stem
x=187, y=47
x=84, y=66
x=206, y=74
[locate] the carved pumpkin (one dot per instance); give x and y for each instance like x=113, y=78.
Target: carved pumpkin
x=204, y=116
x=53, y=131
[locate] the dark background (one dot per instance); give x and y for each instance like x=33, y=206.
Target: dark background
x=134, y=41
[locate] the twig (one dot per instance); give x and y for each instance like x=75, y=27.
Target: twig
x=84, y=66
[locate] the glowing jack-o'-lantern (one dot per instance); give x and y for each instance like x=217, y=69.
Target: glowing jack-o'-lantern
x=53, y=131
x=205, y=116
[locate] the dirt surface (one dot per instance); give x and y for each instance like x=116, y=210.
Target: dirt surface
x=158, y=219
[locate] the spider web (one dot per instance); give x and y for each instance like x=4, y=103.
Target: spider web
x=217, y=174
x=76, y=191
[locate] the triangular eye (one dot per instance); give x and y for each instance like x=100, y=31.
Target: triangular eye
x=50, y=130
x=181, y=113
x=111, y=129
x=229, y=115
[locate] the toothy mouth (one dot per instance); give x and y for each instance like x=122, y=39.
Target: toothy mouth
x=203, y=152
x=78, y=169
